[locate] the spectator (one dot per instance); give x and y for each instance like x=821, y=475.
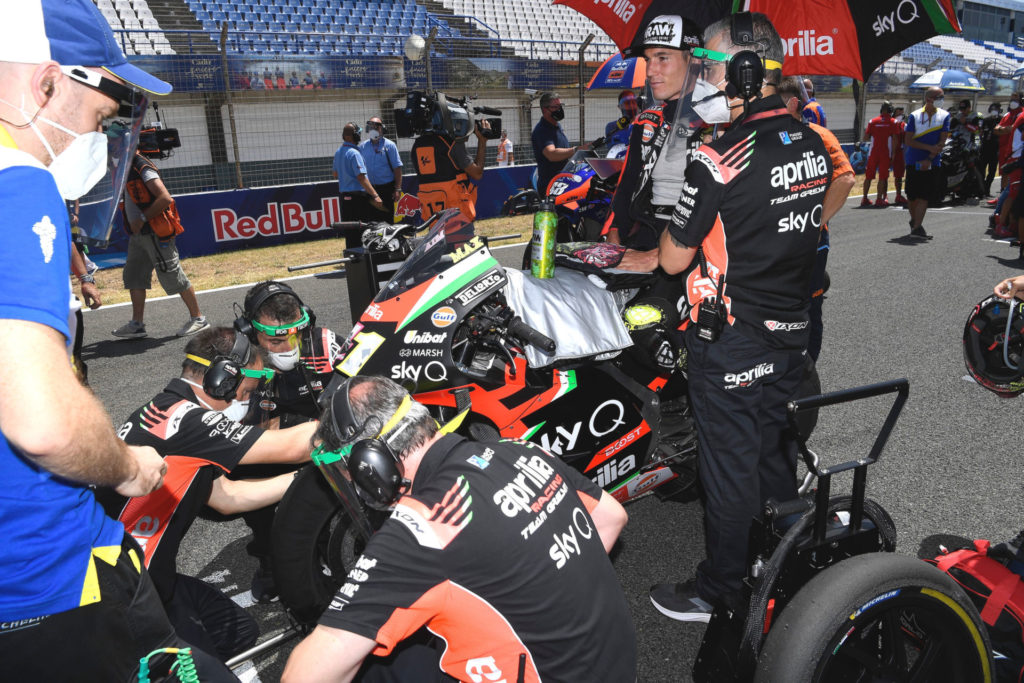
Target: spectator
x=358, y=198
x=899, y=164
x=506, y=155
x=444, y=172
x=152, y=221
x=293, y=81
x=745, y=367
x=879, y=131
x=550, y=146
x=927, y=130
x=813, y=111
x=504, y=602
x=990, y=146
x=279, y=78
x=383, y=168
x=61, y=73
x=194, y=424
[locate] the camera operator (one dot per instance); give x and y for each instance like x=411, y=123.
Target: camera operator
x=445, y=171
x=383, y=167
x=747, y=330
x=358, y=198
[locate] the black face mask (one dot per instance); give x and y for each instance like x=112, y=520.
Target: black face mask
x=558, y=114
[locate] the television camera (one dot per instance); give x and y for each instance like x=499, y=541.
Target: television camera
x=157, y=142
x=435, y=112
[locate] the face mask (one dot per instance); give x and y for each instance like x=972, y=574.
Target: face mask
x=374, y=134
x=198, y=386
x=286, y=360
x=1014, y=105
x=356, y=138
x=558, y=114
x=710, y=103
x=237, y=410
x=940, y=102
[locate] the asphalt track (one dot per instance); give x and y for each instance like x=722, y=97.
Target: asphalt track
x=896, y=309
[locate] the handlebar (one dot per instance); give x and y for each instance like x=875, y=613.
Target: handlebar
x=531, y=336
x=349, y=225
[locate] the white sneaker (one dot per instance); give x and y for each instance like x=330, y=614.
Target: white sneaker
x=193, y=325
x=130, y=330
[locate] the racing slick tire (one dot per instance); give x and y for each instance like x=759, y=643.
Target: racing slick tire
x=313, y=546
x=878, y=617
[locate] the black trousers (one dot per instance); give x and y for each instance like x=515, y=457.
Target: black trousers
x=817, y=284
x=355, y=206
x=210, y=620
x=738, y=392
x=989, y=164
x=387, y=196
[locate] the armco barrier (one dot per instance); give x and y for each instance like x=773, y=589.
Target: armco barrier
x=243, y=219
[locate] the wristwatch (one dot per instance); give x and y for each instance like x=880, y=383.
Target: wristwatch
x=87, y=279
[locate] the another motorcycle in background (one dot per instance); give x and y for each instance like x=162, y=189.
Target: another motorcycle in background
x=960, y=168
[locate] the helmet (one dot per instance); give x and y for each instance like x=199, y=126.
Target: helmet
x=994, y=345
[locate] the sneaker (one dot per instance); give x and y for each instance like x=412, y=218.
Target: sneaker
x=883, y=202
x=1001, y=233
x=992, y=202
x=680, y=601
x=865, y=202
x=901, y=200
x=263, y=588
x=130, y=330
x=919, y=233
x=193, y=325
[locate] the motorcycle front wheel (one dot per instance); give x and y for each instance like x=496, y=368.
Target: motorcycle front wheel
x=878, y=617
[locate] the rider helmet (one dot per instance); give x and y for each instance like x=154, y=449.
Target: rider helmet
x=994, y=345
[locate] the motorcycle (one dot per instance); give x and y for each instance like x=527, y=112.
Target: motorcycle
x=960, y=168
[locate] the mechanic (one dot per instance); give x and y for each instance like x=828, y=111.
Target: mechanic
x=748, y=217
x=990, y=146
x=358, y=198
x=444, y=170
x=468, y=554
x=383, y=168
x=843, y=180
x=927, y=130
x=1011, y=143
x=302, y=356
x=194, y=424
x=551, y=147
x=879, y=131
x=75, y=602
x=617, y=131
x=813, y=111
x=899, y=164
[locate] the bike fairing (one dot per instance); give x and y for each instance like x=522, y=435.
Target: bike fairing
x=770, y=303
x=196, y=443
x=494, y=550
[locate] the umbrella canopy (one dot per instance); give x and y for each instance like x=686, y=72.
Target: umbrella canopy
x=619, y=72
x=850, y=37
x=948, y=79
x=622, y=20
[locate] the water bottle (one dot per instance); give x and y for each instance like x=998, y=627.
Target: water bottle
x=542, y=262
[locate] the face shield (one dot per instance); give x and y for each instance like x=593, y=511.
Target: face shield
x=698, y=99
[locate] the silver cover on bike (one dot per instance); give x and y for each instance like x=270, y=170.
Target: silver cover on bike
x=583, y=319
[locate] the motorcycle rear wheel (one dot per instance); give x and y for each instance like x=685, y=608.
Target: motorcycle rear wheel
x=878, y=617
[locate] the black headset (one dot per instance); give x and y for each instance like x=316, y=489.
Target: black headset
x=258, y=296
x=372, y=464
x=886, y=107
x=745, y=72
x=224, y=372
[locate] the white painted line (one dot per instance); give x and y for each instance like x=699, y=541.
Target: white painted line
x=246, y=672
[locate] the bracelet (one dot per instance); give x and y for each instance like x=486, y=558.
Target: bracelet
x=87, y=279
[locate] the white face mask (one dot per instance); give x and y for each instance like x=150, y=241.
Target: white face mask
x=710, y=103
x=374, y=134
x=940, y=102
x=285, y=360
x=237, y=410
x=1014, y=105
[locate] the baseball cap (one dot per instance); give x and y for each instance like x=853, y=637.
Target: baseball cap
x=666, y=30
x=71, y=33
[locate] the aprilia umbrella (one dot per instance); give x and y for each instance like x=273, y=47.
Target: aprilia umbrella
x=850, y=37
x=619, y=72
x=949, y=79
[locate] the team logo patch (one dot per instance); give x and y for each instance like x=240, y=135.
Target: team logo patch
x=648, y=133
x=776, y=326
x=443, y=317
x=267, y=405
x=784, y=136
x=478, y=462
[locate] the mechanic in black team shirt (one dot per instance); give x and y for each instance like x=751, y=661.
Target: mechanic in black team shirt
x=499, y=549
x=194, y=424
x=746, y=225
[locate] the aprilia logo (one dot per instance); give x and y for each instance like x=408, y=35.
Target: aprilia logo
x=623, y=9
x=807, y=44
x=735, y=380
x=776, y=326
x=809, y=166
x=614, y=470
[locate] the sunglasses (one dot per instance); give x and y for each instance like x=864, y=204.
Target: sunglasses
x=283, y=330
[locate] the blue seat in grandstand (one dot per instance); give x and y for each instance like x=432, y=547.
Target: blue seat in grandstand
x=275, y=27
x=322, y=27
x=234, y=15
x=259, y=27
x=210, y=25
x=291, y=27
x=306, y=27
x=243, y=26
x=218, y=15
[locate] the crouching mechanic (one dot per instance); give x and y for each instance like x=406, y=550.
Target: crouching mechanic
x=193, y=424
x=302, y=356
x=497, y=548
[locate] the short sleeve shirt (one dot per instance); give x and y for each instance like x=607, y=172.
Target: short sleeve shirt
x=197, y=444
x=814, y=113
x=545, y=134
x=495, y=551
x=380, y=160
x=927, y=129
x=349, y=165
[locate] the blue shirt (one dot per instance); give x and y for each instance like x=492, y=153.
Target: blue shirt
x=381, y=160
x=49, y=525
x=814, y=113
x=925, y=129
x=348, y=164
x=545, y=134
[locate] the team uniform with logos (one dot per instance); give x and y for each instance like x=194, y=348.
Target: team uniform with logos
x=880, y=129
x=924, y=180
x=198, y=445
x=814, y=113
x=752, y=204
x=443, y=184
x=494, y=550
x=899, y=164
x=292, y=394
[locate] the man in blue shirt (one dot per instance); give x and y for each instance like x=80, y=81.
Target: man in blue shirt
x=927, y=130
x=813, y=112
x=383, y=167
x=550, y=146
x=357, y=194
x=75, y=603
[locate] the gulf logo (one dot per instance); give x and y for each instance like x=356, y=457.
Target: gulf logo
x=443, y=317
x=648, y=132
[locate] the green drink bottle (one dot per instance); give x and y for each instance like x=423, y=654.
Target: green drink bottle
x=542, y=262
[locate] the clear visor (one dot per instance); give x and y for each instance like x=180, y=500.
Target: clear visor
x=687, y=122
x=334, y=466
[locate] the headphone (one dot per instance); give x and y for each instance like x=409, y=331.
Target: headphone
x=886, y=107
x=224, y=373
x=746, y=70
x=258, y=296
x=372, y=465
